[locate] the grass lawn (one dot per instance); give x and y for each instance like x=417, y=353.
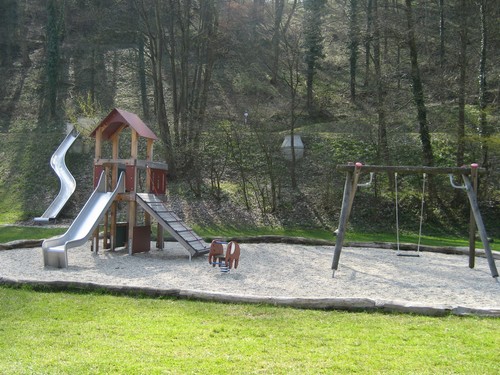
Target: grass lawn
x=10, y=233
x=78, y=333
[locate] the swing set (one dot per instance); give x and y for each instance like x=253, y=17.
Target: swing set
x=470, y=182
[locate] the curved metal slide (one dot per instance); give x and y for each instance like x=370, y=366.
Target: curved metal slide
x=68, y=183
x=55, y=249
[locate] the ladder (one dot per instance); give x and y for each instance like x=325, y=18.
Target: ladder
x=154, y=206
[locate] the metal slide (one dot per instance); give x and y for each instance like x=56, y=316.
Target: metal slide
x=173, y=224
x=55, y=249
x=68, y=183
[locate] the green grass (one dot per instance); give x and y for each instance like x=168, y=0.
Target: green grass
x=77, y=333
x=413, y=238
x=244, y=232
x=350, y=236
x=11, y=233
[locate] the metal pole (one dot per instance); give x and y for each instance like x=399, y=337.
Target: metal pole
x=480, y=225
x=351, y=183
x=472, y=223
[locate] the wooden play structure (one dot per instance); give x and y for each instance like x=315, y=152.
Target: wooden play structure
x=470, y=181
x=145, y=187
x=138, y=184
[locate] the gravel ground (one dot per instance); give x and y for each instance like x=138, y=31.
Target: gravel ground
x=281, y=274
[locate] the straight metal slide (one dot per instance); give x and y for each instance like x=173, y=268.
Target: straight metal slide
x=55, y=249
x=173, y=224
x=68, y=183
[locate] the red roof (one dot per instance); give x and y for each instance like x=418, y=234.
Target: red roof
x=119, y=117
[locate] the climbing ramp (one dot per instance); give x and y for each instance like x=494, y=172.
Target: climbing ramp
x=173, y=224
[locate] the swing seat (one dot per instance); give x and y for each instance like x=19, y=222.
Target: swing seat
x=408, y=255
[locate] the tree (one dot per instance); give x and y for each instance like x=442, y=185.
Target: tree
x=441, y=33
x=313, y=44
x=353, y=46
x=150, y=15
x=182, y=40
x=292, y=78
x=368, y=39
x=463, y=33
x=418, y=90
x=383, y=147
x=191, y=40
x=280, y=27
x=54, y=34
x=8, y=25
x=483, y=122
x=279, y=6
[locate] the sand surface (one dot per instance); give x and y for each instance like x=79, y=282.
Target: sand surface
x=277, y=270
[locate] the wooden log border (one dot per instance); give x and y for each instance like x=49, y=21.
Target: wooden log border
x=343, y=304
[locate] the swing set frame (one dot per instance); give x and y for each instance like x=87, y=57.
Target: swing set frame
x=470, y=182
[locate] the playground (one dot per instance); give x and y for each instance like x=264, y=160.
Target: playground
x=289, y=275
x=100, y=252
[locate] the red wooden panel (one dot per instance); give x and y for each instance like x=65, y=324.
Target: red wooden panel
x=158, y=181
x=142, y=239
x=97, y=173
x=130, y=178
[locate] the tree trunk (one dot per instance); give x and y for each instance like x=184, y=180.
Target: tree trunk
x=53, y=35
x=155, y=43
x=383, y=148
x=313, y=42
x=462, y=83
x=368, y=40
x=142, y=78
x=353, y=47
x=441, y=33
x=418, y=91
x=483, y=123
x=279, y=6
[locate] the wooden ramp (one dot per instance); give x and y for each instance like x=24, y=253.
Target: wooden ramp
x=173, y=224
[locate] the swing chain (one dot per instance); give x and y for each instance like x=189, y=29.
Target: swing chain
x=421, y=212
x=366, y=184
x=452, y=182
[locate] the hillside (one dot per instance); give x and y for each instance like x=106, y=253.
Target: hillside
x=101, y=64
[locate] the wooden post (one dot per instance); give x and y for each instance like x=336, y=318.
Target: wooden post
x=149, y=157
x=132, y=206
x=97, y=156
x=98, y=143
x=480, y=225
x=351, y=183
x=159, y=237
x=95, y=241
x=132, y=217
x=105, y=231
x=472, y=222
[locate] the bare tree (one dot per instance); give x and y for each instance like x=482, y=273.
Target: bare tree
x=462, y=63
x=313, y=44
x=280, y=27
x=418, y=90
x=483, y=122
x=383, y=147
x=292, y=59
x=153, y=29
x=353, y=46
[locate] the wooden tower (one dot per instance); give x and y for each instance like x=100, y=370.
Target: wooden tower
x=145, y=175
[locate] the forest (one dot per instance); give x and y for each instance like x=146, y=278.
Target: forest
x=223, y=82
